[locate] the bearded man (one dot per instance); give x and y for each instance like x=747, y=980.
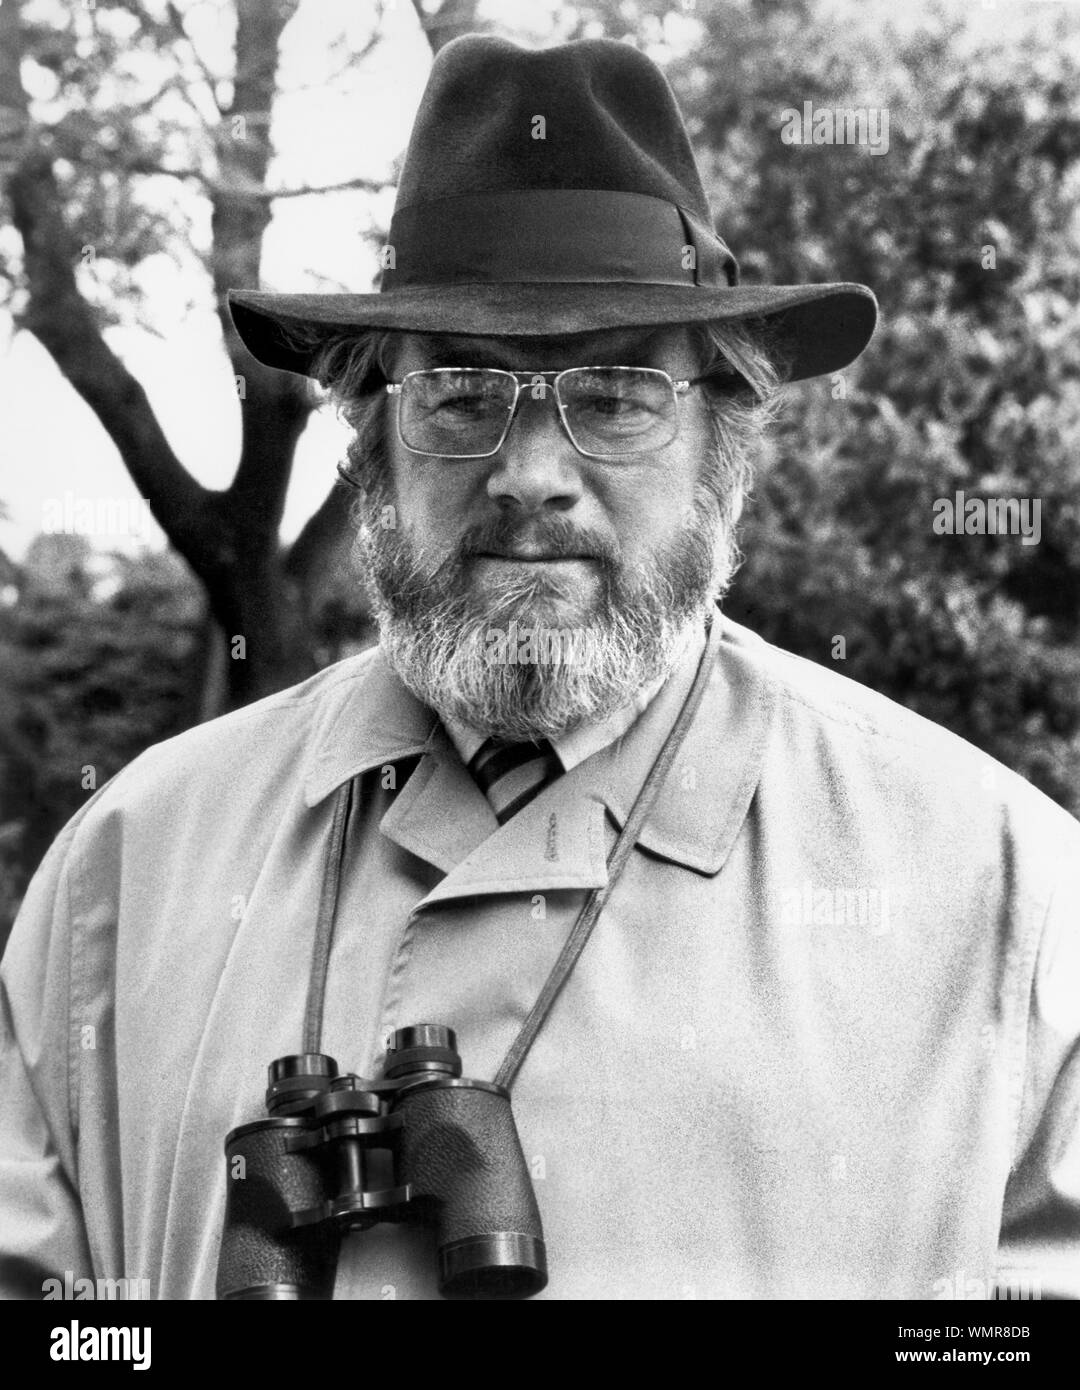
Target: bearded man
x=782, y=984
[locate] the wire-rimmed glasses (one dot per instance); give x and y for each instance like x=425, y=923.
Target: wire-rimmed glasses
x=607, y=412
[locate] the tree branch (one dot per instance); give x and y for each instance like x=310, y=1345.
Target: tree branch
x=352, y=61
x=176, y=22
x=168, y=33
x=321, y=532
x=452, y=19
x=276, y=405
x=147, y=167
x=368, y=185
x=63, y=322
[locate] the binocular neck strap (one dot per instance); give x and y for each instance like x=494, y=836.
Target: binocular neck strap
x=586, y=920
x=620, y=852
x=324, y=922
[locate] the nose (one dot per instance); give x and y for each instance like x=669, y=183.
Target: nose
x=537, y=466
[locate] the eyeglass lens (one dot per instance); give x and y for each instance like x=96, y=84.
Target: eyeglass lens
x=607, y=410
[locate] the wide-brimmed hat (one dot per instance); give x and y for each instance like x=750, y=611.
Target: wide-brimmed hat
x=554, y=191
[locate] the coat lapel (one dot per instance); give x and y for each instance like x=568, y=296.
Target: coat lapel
x=560, y=839
x=706, y=795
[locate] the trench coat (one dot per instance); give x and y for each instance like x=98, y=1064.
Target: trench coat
x=822, y=1042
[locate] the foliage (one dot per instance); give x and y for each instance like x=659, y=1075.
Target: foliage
x=972, y=383
x=100, y=656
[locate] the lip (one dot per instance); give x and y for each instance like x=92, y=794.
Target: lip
x=529, y=556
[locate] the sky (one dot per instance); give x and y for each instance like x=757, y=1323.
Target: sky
x=55, y=457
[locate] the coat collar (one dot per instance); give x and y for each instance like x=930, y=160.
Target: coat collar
x=558, y=839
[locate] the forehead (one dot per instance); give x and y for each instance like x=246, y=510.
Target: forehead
x=672, y=347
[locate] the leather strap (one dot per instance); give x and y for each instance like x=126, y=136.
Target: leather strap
x=324, y=922
x=594, y=903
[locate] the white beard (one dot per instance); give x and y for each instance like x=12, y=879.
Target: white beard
x=438, y=637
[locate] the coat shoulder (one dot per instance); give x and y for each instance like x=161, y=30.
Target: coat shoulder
x=834, y=719
x=252, y=745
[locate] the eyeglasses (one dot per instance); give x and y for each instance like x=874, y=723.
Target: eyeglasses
x=467, y=412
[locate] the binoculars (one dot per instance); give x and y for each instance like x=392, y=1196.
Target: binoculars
x=341, y=1153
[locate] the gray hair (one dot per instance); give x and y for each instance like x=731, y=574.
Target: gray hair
x=746, y=366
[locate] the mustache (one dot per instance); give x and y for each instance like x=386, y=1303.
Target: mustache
x=554, y=535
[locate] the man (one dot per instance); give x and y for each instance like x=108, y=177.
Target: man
x=821, y=1040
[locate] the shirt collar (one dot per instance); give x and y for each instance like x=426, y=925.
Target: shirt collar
x=373, y=721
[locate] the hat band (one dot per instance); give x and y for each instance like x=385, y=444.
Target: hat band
x=578, y=235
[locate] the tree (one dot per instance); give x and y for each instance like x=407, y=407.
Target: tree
x=73, y=187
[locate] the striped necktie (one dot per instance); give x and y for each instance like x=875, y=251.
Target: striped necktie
x=511, y=774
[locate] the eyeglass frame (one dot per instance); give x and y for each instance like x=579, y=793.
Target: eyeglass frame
x=679, y=388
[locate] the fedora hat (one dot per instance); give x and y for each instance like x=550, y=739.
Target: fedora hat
x=554, y=191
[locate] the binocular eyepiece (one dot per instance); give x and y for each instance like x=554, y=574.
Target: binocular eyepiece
x=341, y=1153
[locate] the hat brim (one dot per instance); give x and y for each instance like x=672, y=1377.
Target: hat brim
x=823, y=328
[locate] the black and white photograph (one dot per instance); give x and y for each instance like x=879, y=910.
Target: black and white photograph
x=540, y=664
